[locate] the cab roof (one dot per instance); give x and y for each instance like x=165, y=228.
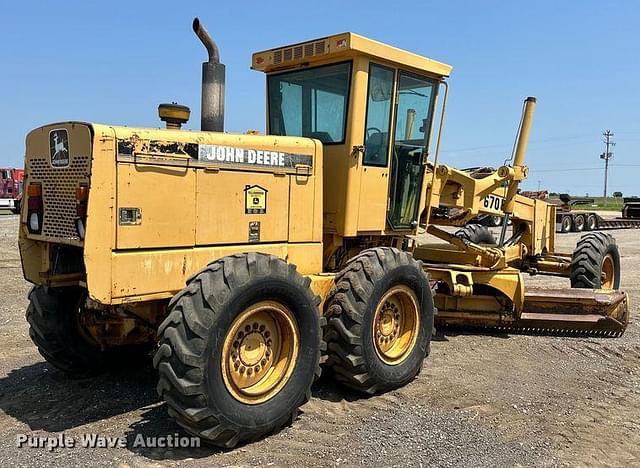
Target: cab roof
x=343, y=45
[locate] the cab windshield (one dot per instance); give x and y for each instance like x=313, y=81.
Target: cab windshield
x=311, y=103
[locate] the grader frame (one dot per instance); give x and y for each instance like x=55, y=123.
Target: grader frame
x=312, y=233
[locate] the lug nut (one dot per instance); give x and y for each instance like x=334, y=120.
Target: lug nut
x=247, y=328
x=242, y=369
x=255, y=325
x=262, y=327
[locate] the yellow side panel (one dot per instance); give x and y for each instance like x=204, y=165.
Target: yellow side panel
x=220, y=207
x=165, y=198
x=155, y=274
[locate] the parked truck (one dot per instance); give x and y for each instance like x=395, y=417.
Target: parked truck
x=11, y=189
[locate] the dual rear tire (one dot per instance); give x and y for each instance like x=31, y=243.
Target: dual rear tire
x=241, y=345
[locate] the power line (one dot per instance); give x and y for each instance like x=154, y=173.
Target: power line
x=578, y=169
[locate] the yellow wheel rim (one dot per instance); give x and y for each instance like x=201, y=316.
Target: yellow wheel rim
x=260, y=352
x=396, y=324
x=607, y=277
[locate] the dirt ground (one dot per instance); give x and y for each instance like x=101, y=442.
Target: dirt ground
x=481, y=399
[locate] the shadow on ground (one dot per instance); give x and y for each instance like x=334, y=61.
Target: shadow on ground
x=46, y=399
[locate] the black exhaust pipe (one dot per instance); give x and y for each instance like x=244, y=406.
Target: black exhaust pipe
x=213, y=75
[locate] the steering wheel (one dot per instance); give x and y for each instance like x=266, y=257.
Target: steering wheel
x=374, y=150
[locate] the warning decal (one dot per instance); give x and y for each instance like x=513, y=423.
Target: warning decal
x=255, y=199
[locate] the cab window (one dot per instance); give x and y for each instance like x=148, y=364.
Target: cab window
x=378, y=122
x=311, y=103
x=414, y=113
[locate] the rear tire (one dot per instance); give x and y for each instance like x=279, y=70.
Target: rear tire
x=566, y=224
x=201, y=387
x=596, y=262
x=592, y=223
x=54, y=328
x=16, y=207
x=477, y=234
x=380, y=287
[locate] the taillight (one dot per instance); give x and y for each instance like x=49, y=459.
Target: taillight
x=35, y=208
x=82, y=197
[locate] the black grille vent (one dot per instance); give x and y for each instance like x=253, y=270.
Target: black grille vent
x=59, y=194
x=310, y=49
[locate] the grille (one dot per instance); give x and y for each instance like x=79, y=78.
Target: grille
x=310, y=49
x=59, y=194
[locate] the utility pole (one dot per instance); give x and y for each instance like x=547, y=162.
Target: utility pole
x=608, y=135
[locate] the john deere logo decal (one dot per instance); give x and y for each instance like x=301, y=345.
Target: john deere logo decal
x=59, y=148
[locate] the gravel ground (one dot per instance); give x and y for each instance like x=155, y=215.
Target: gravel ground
x=481, y=399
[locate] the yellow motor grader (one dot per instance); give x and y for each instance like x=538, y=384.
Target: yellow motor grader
x=241, y=259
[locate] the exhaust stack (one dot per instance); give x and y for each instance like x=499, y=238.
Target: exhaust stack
x=213, y=76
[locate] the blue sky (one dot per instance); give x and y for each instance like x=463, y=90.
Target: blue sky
x=113, y=62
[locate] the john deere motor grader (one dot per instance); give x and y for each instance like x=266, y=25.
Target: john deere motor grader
x=237, y=257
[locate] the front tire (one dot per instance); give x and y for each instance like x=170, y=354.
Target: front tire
x=380, y=321
x=240, y=349
x=477, y=234
x=595, y=263
x=54, y=327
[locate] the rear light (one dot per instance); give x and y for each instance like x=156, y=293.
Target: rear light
x=34, y=222
x=82, y=197
x=35, y=203
x=81, y=210
x=82, y=192
x=80, y=228
x=35, y=208
x=34, y=190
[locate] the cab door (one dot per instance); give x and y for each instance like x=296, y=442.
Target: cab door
x=415, y=97
x=374, y=173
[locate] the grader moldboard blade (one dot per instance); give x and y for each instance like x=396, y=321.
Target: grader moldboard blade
x=560, y=312
x=574, y=311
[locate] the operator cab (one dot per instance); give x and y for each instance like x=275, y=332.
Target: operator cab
x=372, y=106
